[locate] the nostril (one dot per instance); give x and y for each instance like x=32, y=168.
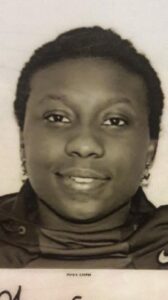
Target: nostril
x=75, y=154
x=84, y=155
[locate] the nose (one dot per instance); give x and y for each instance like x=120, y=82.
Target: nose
x=85, y=145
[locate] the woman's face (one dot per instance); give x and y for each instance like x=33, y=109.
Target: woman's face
x=86, y=136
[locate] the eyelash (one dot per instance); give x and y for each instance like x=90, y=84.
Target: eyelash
x=60, y=119
x=56, y=118
x=115, y=122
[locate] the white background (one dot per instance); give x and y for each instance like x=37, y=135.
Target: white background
x=25, y=25
x=102, y=285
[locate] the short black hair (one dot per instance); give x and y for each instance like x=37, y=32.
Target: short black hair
x=92, y=42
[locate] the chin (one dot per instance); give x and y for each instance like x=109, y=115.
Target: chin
x=82, y=217
x=83, y=220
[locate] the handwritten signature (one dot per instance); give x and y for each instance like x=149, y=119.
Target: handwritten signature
x=10, y=297
x=18, y=294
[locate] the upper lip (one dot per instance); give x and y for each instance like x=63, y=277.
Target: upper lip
x=83, y=173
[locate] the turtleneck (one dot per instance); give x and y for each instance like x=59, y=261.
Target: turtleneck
x=103, y=238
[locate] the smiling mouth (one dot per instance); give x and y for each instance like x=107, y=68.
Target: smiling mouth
x=82, y=180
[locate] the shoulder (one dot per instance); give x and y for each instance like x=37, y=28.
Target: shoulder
x=149, y=244
x=18, y=236
x=7, y=201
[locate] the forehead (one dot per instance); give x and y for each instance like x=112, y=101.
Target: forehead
x=88, y=77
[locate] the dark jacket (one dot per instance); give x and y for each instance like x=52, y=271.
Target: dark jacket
x=19, y=236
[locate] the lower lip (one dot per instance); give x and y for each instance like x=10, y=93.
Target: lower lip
x=82, y=186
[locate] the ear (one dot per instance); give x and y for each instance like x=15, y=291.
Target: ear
x=151, y=151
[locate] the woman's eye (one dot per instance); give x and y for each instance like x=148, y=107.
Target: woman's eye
x=115, y=122
x=56, y=118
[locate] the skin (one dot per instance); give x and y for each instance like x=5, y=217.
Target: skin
x=86, y=138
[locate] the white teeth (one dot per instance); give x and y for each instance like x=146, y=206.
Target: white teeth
x=82, y=179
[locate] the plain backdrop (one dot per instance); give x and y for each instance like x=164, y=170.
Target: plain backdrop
x=25, y=25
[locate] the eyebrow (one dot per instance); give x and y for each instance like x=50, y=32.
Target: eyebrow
x=63, y=98
x=116, y=101
x=53, y=97
x=60, y=98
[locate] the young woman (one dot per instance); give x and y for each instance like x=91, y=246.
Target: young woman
x=88, y=106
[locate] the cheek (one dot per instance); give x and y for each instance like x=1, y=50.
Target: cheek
x=128, y=157
x=42, y=149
